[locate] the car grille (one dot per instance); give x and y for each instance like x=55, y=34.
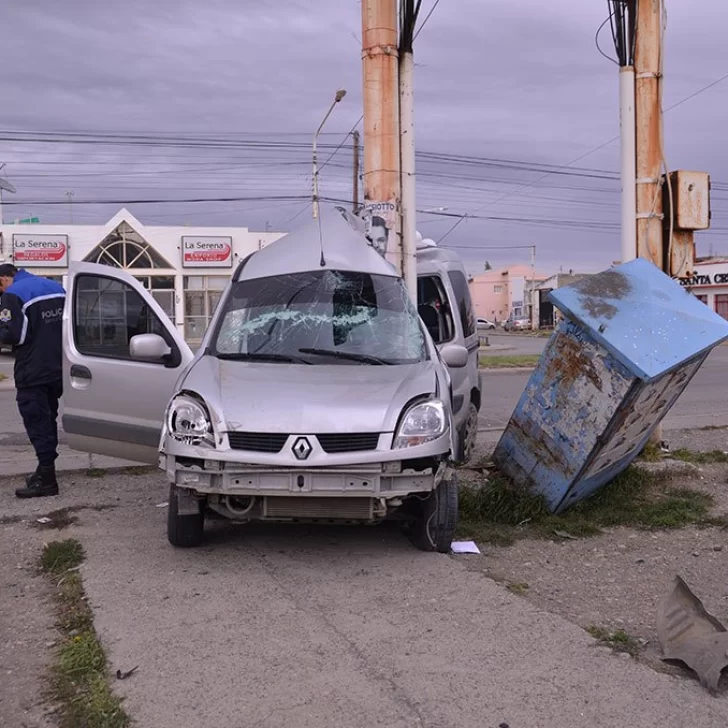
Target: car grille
x=257, y=441
x=347, y=442
x=331, y=444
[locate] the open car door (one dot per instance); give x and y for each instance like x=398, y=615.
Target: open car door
x=122, y=357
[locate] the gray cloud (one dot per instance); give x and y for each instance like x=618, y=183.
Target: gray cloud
x=519, y=80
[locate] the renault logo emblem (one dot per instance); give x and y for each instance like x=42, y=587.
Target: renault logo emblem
x=301, y=448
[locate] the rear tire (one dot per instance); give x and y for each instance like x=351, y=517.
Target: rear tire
x=183, y=531
x=435, y=518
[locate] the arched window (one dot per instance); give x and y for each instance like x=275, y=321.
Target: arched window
x=125, y=248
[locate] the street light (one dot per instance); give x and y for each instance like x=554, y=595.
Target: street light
x=4, y=185
x=339, y=95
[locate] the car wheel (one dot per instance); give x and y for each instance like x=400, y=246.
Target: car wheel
x=183, y=530
x=435, y=518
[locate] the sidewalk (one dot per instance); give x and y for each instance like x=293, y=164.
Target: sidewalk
x=19, y=460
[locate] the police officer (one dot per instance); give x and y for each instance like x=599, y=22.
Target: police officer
x=31, y=320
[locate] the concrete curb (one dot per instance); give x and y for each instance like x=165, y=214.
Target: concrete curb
x=506, y=370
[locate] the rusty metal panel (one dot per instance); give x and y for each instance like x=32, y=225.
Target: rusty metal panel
x=691, y=199
x=569, y=401
x=630, y=344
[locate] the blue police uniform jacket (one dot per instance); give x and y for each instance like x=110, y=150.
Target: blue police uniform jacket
x=31, y=321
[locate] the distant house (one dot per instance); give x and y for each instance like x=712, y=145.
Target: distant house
x=544, y=314
x=499, y=292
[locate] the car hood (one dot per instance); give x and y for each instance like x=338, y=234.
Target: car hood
x=307, y=399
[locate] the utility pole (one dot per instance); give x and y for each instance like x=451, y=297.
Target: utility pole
x=70, y=194
x=355, y=180
x=382, y=184
x=408, y=18
x=648, y=112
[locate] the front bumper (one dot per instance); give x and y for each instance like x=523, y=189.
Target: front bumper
x=381, y=480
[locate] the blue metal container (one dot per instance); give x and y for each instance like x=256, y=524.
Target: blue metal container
x=630, y=342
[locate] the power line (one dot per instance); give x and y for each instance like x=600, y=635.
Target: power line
x=427, y=17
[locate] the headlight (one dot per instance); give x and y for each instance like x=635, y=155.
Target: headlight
x=189, y=422
x=422, y=423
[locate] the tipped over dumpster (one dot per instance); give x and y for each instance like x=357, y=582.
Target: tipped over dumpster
x=629, y=343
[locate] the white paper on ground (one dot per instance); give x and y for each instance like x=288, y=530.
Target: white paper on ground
x=464, y=547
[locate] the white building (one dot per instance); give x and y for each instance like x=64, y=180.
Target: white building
x=710, y=284
x=186, y=268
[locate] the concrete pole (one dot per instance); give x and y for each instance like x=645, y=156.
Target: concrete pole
x=648, y=80
x=407, y=160
x=381, y=119
x=648, y=112
x=627, y=125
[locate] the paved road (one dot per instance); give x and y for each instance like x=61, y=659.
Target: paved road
x=278, y=627
x=704, y=402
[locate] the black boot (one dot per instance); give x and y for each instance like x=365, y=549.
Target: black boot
x=40, y=484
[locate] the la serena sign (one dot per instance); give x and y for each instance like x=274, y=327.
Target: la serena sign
x=40, y=251
x=207, y=251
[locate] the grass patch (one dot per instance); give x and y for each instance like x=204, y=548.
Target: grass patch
x=95, y=473
x=3, y=377
x=518, y=587
x=496, y=512
x=618, y=640
x=651, y=453
x=509, y=362
x=79, y=681
x=700, y=458
x=139, y=470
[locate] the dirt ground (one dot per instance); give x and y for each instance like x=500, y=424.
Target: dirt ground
x=614, y=580
x=27, y=634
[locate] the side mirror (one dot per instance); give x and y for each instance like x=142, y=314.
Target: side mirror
x=454, y=355
x=148, y=347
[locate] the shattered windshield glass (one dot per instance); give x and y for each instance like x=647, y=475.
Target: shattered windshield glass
x=321, y=317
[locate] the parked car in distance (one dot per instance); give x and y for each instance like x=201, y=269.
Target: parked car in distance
x=517, y=324
x=485, y=324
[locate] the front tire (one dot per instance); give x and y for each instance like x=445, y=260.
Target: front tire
x=183, y=530
x=435, y=518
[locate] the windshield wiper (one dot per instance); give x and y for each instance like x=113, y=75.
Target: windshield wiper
x=364, y=358
x=283, y=358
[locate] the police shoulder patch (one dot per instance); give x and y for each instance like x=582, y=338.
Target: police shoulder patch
x=5, y=315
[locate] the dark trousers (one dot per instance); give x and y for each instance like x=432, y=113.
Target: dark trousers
x=38, y=406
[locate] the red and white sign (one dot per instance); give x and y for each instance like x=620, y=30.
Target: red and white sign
x=207, y=252
x=40, y=251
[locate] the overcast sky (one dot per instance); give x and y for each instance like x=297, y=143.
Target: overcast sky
x=246, y=82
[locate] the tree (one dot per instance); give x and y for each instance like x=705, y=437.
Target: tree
x=488, y=266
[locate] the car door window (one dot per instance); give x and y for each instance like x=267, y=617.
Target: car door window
x=107, y=313
x=464, y=302
x=434, y=310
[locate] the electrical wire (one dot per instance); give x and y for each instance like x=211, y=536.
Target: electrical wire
x=427, y=17
x=596, y=41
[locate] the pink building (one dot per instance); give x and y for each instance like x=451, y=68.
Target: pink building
x=498, y=292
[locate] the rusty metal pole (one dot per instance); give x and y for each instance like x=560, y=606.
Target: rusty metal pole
x=355, y=180
x=382, y=191
x=648, y=111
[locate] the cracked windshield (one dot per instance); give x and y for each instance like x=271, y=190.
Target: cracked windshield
x=321, y=317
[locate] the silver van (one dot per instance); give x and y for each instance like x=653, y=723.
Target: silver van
x=445, y=306
x=317, y=394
